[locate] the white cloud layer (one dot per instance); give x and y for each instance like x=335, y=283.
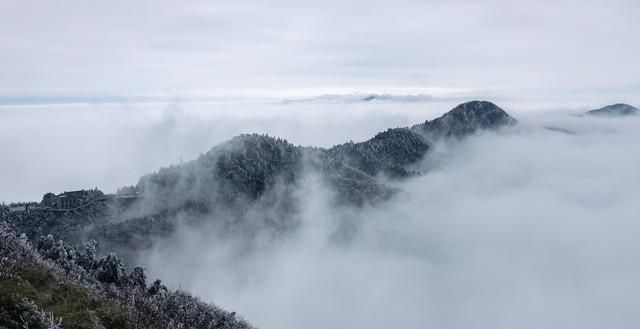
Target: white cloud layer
x=530, y=229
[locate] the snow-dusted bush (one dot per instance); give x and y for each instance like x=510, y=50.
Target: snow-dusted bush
x=90, y=292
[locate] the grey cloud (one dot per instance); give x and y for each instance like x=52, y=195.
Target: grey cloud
x=203, y=47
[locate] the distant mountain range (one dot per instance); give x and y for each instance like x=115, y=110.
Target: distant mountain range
x=363, y=97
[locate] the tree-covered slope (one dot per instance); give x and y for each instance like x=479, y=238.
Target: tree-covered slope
x=248, y=183
x=54, y=285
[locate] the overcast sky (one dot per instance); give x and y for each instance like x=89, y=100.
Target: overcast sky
x=284, y=48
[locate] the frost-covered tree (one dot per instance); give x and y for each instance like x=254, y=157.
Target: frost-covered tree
x=110, y=269
x=114, y=299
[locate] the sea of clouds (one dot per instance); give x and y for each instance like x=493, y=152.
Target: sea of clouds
x=527, y=228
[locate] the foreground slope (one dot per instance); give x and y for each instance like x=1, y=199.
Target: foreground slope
x=54, y=285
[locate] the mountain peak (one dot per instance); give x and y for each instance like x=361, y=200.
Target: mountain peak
x=480, y=112
x=466, y=119
x=615, y=110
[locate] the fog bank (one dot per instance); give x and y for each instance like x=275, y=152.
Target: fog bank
x=530, y=229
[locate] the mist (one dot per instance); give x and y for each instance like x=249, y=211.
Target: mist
x=524, y=228
x=67, y=146
x=527, y=228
